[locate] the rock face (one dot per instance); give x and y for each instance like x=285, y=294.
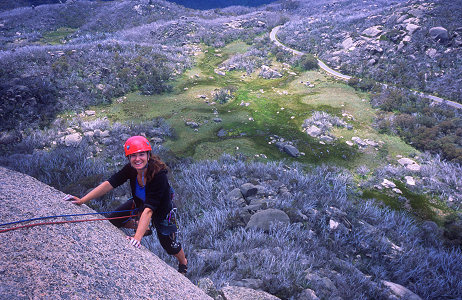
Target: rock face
x=87, y=260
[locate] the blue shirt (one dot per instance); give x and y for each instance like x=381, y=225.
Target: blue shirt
x=140, y=192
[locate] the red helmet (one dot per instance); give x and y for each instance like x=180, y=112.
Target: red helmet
x=136, y=144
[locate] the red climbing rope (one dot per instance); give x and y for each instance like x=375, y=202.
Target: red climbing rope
x=62, y=222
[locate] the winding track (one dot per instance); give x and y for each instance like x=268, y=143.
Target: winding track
x=338, y=75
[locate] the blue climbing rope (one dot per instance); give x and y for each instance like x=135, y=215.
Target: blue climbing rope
x=63, y=216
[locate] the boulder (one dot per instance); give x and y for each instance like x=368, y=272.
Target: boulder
x=308, y=294
x=243, y=293
x=409, y=180
x=291, y=150
x=373, y=31
x=359, y=141
x=263, y=219
x=405, y=161
x=417, y=12
x=235, y=196
x=409, y=164
x=72, y=140
x=219, y=72
x=388, y=184
x=374, y=49
x=326, y=138
x=207, y=285
x=89, y=134
x=400, y=291
x=397, y=190
x=313, y=131
x=333, y=224
x=413, y=167
x=192, y=124
x=411, y=28
x=348, y=43
x=323, y=284
x=439, y=34
x=371, y=143
x=268, y=73
x=248, y=190
x=104, y=133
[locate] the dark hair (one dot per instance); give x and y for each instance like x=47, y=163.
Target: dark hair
x=155, y=165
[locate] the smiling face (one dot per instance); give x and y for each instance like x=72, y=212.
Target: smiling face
x=138, y=160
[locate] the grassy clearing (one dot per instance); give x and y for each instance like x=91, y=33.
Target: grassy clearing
x=260, y=108
x=57, y=37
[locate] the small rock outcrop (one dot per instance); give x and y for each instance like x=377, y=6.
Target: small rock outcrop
x=268, y=73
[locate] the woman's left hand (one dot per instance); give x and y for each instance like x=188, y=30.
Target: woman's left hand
x=134, y=242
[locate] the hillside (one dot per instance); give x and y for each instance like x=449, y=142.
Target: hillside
x=288, y=180
x=415, y=44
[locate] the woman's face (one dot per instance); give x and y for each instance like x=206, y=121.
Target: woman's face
x=139, y=160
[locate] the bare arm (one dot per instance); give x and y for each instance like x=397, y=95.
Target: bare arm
x=97, y=192
x=143, y=224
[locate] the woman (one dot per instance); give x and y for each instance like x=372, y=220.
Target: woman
x=151, y=197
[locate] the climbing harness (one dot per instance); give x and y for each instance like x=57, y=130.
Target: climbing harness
x=62, y=222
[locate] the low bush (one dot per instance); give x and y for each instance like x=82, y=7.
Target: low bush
x=219, y=247
x=308, y=62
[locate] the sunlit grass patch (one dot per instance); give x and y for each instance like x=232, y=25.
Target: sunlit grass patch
x=236, y=47
x=59, y=36
x=215, y=149
x=420, y=205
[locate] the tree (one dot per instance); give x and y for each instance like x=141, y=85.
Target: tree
x=308, y=62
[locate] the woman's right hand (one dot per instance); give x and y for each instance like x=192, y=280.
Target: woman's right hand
x=73, y=199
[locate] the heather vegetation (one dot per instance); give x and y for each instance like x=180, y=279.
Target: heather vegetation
x=389, y=43
x=369, y=240
x=367, y=180
x=437, y=129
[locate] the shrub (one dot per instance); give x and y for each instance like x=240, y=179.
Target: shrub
x=308, y=62
x=224, y=94
x=220, y=248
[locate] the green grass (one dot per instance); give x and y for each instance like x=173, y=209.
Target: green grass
x=276, y=107
x=421, y=206
x=59, y=36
